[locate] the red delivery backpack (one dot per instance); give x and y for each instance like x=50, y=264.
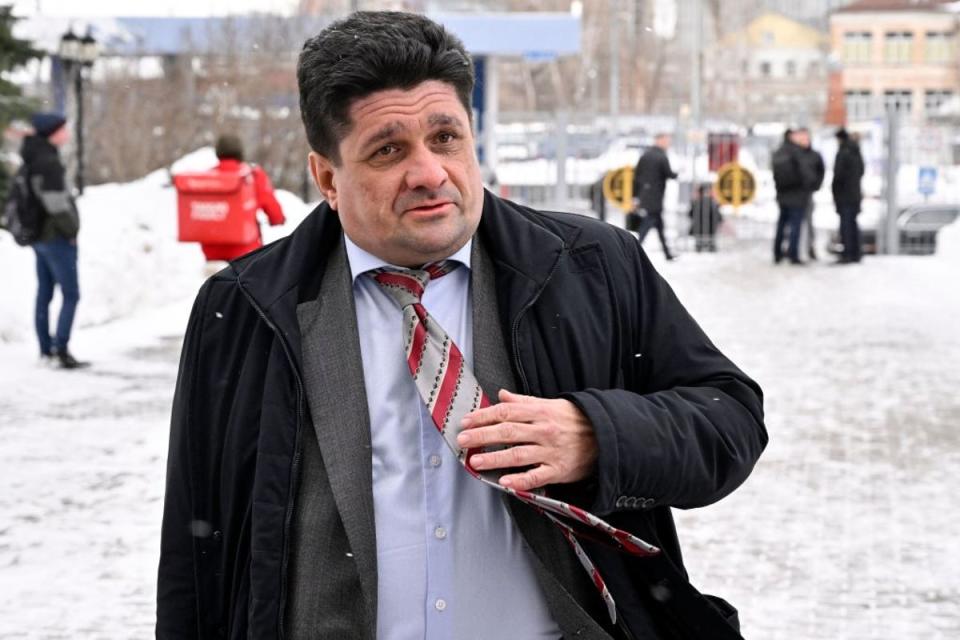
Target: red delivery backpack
x=214, y=207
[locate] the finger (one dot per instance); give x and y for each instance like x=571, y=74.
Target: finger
x=528, y=480
x=500, y=433
x=503, y=412
x=519, y=456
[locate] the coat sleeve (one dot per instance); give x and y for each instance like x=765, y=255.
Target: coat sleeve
x=177, y=609
x=49, y=184
x=266, y=199
x=688, y=428
x=668, y=172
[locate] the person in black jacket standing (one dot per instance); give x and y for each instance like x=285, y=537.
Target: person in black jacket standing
x=847, y=196
x=649, y=183
x=56, y=248
x=794, y=179
x=814, y=162
x=310, y=493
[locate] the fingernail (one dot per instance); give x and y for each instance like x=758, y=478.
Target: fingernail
x=462, y=439
x=477, y=461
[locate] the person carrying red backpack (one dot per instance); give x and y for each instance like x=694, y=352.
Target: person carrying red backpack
x=229, y=150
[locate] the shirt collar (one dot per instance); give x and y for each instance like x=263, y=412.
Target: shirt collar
x=362, y=261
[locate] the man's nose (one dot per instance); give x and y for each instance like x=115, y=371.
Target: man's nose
x=425, y=170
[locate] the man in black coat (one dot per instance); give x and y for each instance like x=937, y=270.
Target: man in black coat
x=295, y=413
x=794, y=178
x=56, y=247
x=847, y=196
x=649, y=183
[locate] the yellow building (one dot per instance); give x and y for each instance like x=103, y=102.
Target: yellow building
x=773, y=70
x=895, y=54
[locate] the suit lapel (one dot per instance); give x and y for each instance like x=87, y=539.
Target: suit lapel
x=562, y=579
x=333, y=374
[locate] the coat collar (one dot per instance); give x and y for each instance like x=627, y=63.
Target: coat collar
x=524, y=245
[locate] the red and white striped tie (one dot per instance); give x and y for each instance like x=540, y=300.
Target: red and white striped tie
x=450, y=391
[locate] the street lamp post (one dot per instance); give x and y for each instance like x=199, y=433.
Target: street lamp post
x=78, y=53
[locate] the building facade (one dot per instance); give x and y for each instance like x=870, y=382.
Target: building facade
x=773, y=70
x=895, y=55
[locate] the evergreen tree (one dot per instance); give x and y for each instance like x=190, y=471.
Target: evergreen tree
x=14, y=53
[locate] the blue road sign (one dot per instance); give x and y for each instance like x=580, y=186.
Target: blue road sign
x=927, y=180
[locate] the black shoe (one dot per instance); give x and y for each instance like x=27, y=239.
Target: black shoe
x=813, y=254
x=67, y=361
x=777, y=259
x=796, y=262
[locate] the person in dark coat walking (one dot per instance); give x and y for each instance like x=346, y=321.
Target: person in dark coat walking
x=309, y=494
x=705, y=219
x=794, y=180
x=56, y=248
x=847, y=196
x=649, y=183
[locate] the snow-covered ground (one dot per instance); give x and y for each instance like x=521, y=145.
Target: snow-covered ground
x=846, y=530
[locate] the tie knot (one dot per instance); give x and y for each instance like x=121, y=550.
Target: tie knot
x=406, y=286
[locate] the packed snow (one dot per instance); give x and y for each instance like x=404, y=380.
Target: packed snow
x=846, y=530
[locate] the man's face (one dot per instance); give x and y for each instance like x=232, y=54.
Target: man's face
x=60, y=137
x=408, y=187
x=663, y=142
x=802, y=138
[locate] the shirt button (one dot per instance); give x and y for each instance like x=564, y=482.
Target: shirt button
x=440, y=533
x=435, y=460
x=440, y=604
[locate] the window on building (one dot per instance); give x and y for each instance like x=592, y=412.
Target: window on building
x=765, y=69
x=899, y=100
x=898, y=47
x=933, y=99
x=859, y=104
x=940, y=46
x=857, y=46
x=791, y=68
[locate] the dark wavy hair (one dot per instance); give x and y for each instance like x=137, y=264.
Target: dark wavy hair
x=370, y=51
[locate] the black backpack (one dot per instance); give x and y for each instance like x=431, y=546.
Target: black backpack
x=22, y=214
x=785, y=172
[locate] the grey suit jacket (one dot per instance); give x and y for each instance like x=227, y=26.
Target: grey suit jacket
x=333, y=569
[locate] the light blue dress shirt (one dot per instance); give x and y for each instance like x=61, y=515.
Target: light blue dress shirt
x=450, y=561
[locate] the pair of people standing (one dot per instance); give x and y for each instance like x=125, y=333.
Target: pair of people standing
x=798, y=173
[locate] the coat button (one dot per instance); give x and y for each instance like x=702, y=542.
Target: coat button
x=217, y=536
x=649, y=503
x=621, y=502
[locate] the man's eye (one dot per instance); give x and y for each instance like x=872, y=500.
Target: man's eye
x=386, y=150
x=446, y=138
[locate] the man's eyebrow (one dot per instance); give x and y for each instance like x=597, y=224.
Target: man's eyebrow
x=385, y=132
x=443, y=119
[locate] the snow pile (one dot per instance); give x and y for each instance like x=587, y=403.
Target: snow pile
x=129, y=257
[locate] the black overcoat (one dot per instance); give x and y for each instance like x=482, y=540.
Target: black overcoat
x=584, y=316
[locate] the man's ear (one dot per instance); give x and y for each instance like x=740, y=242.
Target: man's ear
x=322, y=170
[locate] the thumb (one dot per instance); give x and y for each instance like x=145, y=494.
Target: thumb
x=510, y=396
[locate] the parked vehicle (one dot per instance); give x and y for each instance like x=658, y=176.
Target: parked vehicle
x=918, y=225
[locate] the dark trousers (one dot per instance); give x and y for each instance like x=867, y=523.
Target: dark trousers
x=650, y=221
x=56, y=265
x=789, y=223
x=849, y=233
